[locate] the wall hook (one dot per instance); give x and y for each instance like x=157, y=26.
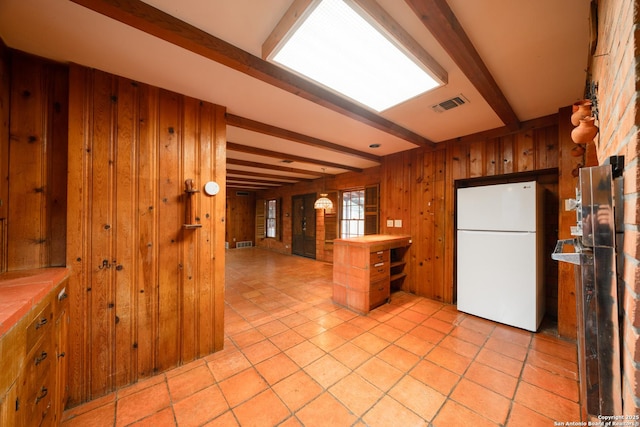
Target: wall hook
x=105, y=264
x=190, y=214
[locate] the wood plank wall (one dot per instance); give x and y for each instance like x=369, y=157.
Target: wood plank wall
x=34, y=188
x=5, y=90
x=324, y=252
x=147, y=294
x=418, y=188
x=241, y=217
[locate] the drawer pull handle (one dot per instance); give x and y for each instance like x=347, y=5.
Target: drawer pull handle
x=43, y=394
x=378, y=264
x=62, y=354
x=41, y=323
x=41, y=358
x=62, y=296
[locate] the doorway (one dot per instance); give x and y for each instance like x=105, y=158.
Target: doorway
x=303, y=239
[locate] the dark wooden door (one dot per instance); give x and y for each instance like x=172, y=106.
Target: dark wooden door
x=304, y=226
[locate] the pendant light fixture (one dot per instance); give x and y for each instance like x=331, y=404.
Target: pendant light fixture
x=323, y=202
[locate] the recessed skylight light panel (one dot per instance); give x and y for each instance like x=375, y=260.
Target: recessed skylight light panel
x=340, y=49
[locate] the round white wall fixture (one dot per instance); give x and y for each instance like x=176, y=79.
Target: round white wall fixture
x=211, y=188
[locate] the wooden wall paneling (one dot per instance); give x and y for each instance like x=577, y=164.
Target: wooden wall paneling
x=204, y=298
x=420, y=197
x=397, y=193
x=78, y=253
x=101, y=241
x=546, y=146
x=56, y=152
x=5, y=90
x=147, y=295
x=442, y=191
x=170, y=221
x=477, y=159
x=423, y=246
x=188, y=327
x=27, y=208
x=125, y=228
x=457, y=161
x=147, y=283
x=507, y=148
x=567, y=190
x=219, y=163
x=523, y=142
x=456, y=168
x=241, y=218
x=493, y=157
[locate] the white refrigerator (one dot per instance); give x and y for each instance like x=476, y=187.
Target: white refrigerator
x=499, y=260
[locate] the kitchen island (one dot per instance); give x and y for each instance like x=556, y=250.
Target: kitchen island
x=365, y=267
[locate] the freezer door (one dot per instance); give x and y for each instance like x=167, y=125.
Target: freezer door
x=497, y=277
x=502, y=207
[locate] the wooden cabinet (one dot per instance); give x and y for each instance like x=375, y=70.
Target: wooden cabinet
x=365, y=268
x=33, y=351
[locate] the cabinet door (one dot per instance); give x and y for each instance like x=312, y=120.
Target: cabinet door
x=62, y=357
x=8, y=413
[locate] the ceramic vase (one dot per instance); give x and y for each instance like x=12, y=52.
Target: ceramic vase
x=581, y=109
x=585, y=131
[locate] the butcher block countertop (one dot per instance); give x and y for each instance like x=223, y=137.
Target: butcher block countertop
x=22, y=290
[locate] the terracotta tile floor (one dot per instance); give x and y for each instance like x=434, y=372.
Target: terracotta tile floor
x=293, y=358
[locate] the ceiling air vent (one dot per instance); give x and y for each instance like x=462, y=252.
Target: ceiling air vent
x=242, y=193
x=454, y=102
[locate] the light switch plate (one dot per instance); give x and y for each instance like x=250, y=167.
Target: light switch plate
x=398, y=223
x=390, y=223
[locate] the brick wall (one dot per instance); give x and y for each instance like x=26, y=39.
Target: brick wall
x=614, y=68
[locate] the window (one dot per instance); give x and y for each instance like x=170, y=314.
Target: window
x=359, y=212
x=352, y=222
x=337, y=44
x=268, y=221
x=272, y=218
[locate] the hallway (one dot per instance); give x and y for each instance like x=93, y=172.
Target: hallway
x=293, y=358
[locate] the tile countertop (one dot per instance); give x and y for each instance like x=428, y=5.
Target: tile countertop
x=375, y=238
x=21, y=290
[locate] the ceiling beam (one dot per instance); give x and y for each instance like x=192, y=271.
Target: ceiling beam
x=267, y=177
x=439, y=19
x=263, y=128
x=258, y=165
x=232, y=180
x=232, y=146
x=246, y=187
x=144, y=17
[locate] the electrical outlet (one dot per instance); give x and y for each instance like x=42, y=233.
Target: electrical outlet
x=390, y=223
x=397, y=223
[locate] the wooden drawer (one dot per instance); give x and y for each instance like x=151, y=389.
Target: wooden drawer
x=38, y=363
x=379, y=271
x=39, y=326
x=36, y=405
x=379, y=256
x=61, y=299
x=378, y=293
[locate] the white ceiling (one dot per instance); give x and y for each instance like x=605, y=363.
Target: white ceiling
x=536, y=52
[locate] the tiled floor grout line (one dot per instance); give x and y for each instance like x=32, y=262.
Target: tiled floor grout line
x=257, y=308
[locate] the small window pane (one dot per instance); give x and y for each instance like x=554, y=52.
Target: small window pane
x=271, y=218
x=352, y=222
